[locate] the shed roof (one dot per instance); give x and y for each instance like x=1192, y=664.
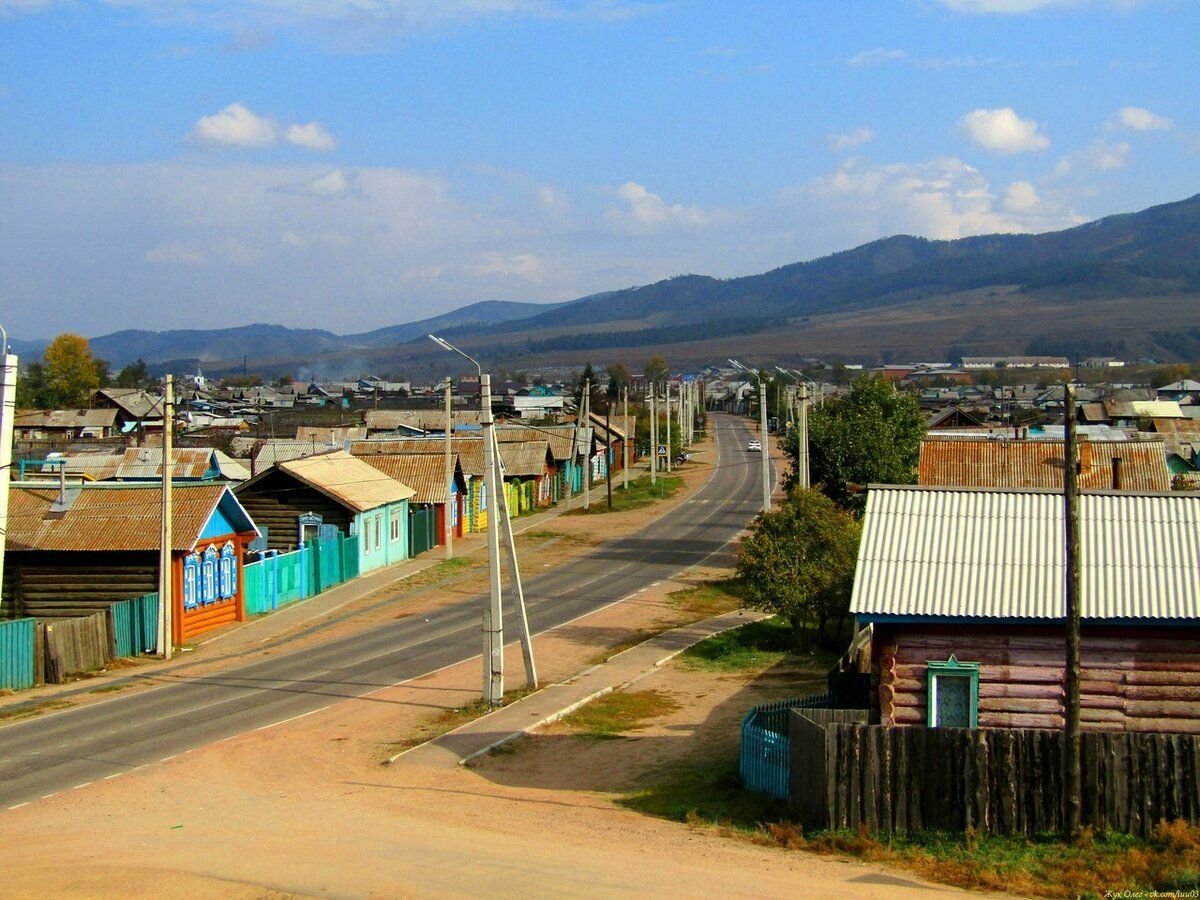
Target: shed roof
x=114, y=516
x=347, y=480
x=989, y=554
x=966, y=462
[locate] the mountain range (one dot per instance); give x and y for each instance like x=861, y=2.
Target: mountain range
x=1126, y=285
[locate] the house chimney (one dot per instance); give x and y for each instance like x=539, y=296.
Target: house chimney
x=1116, y=473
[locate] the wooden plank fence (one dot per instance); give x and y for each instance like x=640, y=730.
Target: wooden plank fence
x=996, y=781
x=74, y=646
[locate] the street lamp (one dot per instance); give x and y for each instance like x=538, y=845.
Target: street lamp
x=802, y=426
x=762, y=415
x=493, y=613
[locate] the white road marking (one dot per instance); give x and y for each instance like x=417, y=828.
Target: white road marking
x=292, y=718
x=19, y=805
x=85, y=784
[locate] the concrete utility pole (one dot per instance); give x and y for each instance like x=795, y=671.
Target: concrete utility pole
x=514, y=570
x=451, y=497
x=668, y=424
x=608, y=449
x=8, y=409
x=493, y=613
x=1072, y=776
x=166, y=628
x=653, y=437
x=629, y=436
x=766, y=456
x=802, y=436
x=586, y=400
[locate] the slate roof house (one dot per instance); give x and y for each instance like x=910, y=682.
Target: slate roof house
x=962, y=590
x=75, y=552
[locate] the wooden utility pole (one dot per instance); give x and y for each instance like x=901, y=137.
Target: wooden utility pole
x=608, y=450
x=629, y=436
x=1072, y=776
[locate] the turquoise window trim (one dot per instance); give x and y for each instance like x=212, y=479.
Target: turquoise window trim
x=950, y=668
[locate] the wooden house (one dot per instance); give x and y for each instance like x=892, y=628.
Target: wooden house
x=64, y=425
x=138, y=412
x=74, y=552
x=434, y=498
x=529, y=473
x=293, y=499
x=962, y=590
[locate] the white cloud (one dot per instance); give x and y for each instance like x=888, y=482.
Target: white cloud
x=524, y=266
x=235, y=126
x=645, y=212
x=855, y=138
x=1137, y=118
x=1099, y=156
x=1003, y=131
x=941, y=198
x=174, y=254
x=877, y=57
x=313, y=136
x=1021, y=197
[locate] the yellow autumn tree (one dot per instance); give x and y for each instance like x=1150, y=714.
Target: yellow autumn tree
x=70, y=371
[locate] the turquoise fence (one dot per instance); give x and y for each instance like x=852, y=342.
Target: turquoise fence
x=765, y=754
x=284, y=578
x=16, y=654
x=135, y=625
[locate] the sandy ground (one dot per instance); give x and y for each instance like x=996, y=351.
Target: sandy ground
x=306, y=808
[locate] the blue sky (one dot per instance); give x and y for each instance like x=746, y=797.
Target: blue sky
x=350, y=164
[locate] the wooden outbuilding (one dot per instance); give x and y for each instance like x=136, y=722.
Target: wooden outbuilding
x=963, y=593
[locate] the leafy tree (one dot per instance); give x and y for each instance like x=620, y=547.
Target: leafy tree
x=134, y=375
x=619, y=378
x=103, y=372
x=798, y=560
x=588, y=376
x=656, y=372
x=873, y=434
x=70, y=370
x=32, y=390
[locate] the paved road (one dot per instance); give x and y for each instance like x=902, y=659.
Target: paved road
x=68, y=749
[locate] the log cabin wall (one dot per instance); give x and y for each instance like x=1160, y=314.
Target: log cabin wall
x=1133, y=678
x=278, y=501
x=51, y=585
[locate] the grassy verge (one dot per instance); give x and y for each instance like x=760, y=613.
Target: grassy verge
x=615, y=713
x=712, y=598
x=641, y=493
x=33, y=709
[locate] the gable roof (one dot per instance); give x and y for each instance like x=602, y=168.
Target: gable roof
x=989, y=554
x=65, y=418
x=425, y=473
x=349, y=481
x=113, y=516
x=967, y=462
x=527, y=459
x=134, y=402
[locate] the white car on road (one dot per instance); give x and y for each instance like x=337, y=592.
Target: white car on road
x=754, y=445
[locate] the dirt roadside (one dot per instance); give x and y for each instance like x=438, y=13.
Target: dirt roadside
x=305, y=808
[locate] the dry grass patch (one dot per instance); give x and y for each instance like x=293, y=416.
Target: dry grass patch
x=617, y=712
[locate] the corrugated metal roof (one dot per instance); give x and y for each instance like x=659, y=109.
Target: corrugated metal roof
x=135, y=402
x=278, y=450
x=146, y=462
x=425, y=473
x=998, y=553
x=65, y=418
x=524, y=460
x=963, y=462
x=108, y=517
x=348, y=480
x=424, y=419
x=560, y=437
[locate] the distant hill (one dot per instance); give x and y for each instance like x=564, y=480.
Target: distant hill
x=1124, y=285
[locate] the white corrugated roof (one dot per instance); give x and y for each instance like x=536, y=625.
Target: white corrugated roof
x=348, y=480
x=981, y=553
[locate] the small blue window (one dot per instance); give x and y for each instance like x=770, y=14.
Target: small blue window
x=228, y=571
x=208, y=577
x=191, y=578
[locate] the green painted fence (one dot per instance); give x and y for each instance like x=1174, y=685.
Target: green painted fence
x=17, y=654
x=285, y=578
x=135, y=625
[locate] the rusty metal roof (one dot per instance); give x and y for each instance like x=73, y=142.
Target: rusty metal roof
x=425, y=473
x=525, y=460
x=967, y=462
x=347, y=480
x=110, y=516
x=424, y=419
x=953, y=553
x=146, y=463
x=560, y=437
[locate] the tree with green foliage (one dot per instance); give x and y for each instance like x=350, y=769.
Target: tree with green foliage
x=71, y=372
x=619, y=378
x=656, y=372
x=32, y=390
x=798, y=561
x=588, y=375
x=134, y=375
x=872, y=435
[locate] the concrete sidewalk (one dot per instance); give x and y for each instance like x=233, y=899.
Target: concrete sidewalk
x=551, y=703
